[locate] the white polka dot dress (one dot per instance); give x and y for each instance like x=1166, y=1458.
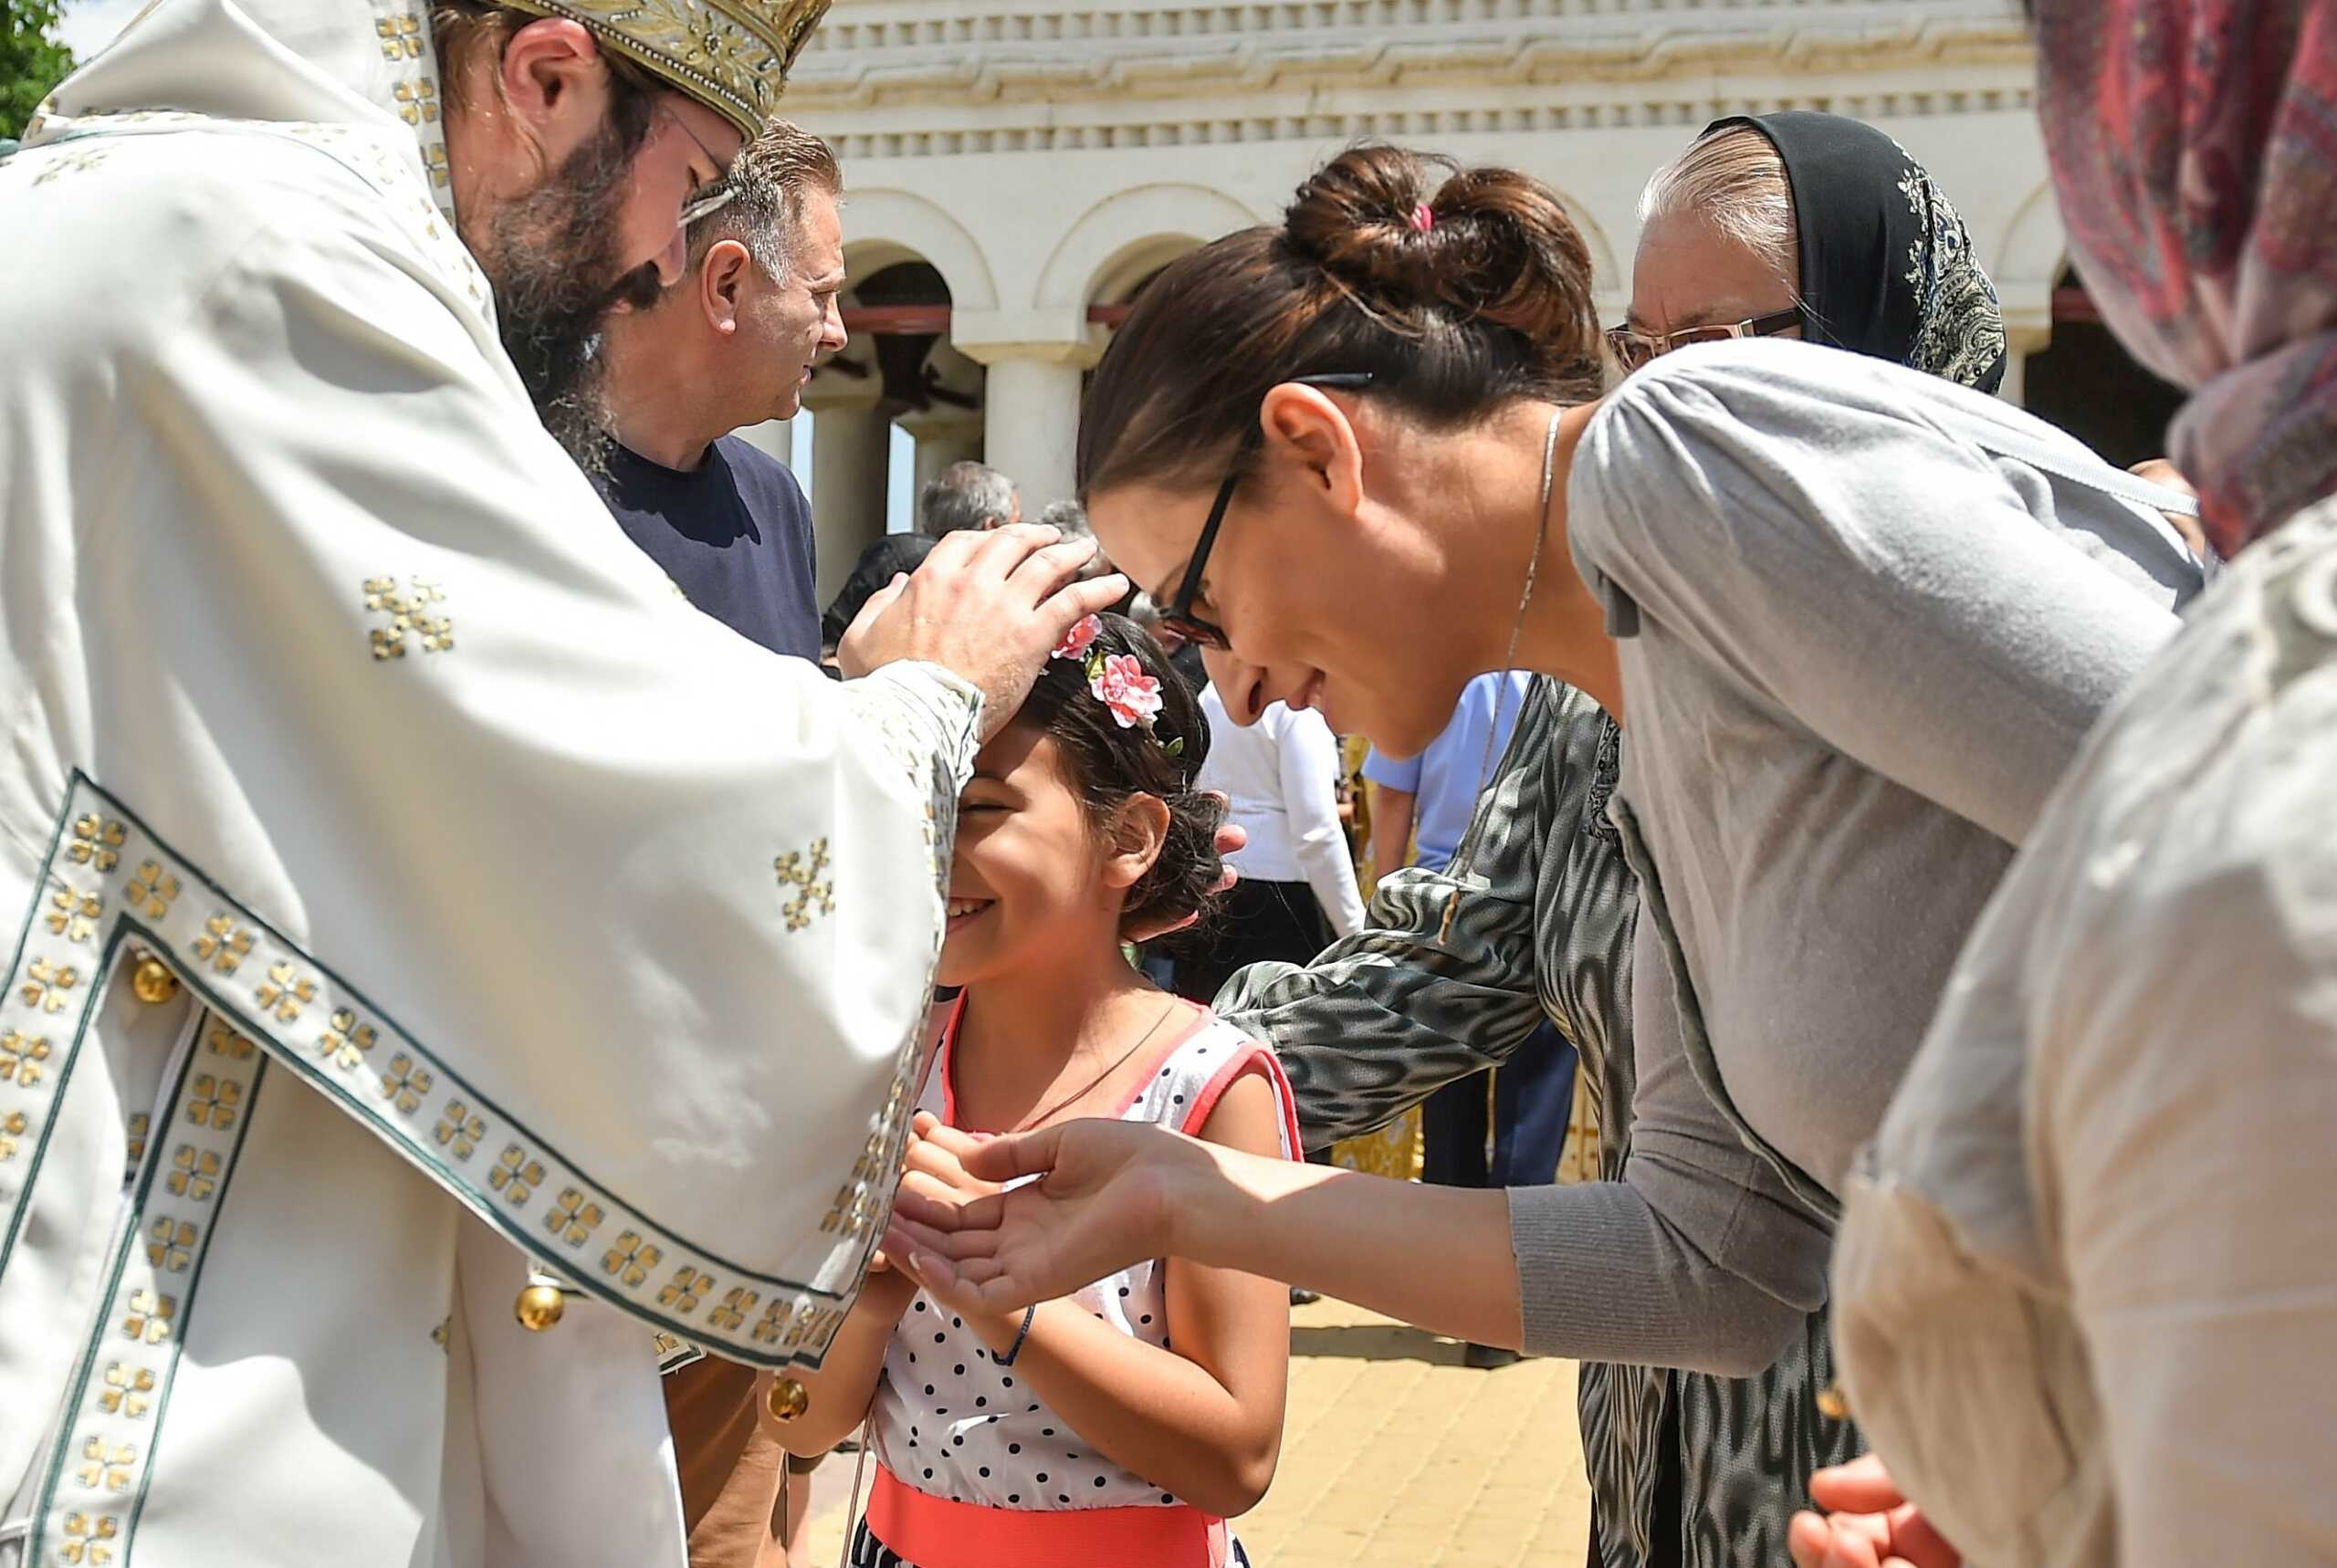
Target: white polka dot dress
x=948, y=1422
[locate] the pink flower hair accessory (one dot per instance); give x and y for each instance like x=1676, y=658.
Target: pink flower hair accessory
x=1422, y=219
x=1076, y=641
x=1117, y=681
x=1120, y=683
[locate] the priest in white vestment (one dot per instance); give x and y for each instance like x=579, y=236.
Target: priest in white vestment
x=409, y=896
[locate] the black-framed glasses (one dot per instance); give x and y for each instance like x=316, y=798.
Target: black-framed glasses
x=1178, y=616
x=1636, y=348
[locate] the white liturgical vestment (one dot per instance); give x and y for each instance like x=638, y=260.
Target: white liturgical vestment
x=404, y=888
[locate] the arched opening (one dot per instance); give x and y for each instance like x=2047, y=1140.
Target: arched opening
x=2086, y=382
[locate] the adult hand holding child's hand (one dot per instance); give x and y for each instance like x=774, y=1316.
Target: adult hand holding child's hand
x=987, y=606
x=1104, y=1201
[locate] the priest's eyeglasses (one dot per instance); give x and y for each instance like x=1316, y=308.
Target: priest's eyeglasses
x=1178, y=615
x=714, y=196
x=1635, y=349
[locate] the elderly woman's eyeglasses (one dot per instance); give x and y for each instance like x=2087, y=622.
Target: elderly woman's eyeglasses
x=1178, y=616
x=1636, y=348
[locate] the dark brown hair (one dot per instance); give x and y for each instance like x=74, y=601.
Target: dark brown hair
x=1458, y=289
x=465, y=29
x=1109, y=764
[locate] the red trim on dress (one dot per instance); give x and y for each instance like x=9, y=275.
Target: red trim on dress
x=941, y=1058
x=935, y=1533
x=1286, y=1101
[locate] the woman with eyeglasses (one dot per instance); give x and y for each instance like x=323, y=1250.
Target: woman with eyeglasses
x=1853, y=619
x=1810, y=225
x=1793, y=224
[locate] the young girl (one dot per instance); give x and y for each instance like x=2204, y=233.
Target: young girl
x=1125, y=1424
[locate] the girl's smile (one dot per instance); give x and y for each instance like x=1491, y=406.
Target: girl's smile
x=964, y=912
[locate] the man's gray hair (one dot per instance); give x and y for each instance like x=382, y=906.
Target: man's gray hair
x=767, y=183
x=964, y=496
x=1069, y=517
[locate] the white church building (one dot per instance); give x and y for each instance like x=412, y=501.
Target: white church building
x=1015, y=169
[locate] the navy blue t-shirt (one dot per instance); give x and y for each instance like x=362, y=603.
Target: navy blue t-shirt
x=735, y=536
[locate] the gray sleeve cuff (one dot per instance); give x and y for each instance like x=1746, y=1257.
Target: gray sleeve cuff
x=1600, y=1277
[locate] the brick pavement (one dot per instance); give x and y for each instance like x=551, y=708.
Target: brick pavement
x=1394, y=1456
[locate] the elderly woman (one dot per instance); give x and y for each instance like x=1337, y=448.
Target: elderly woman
x=1856, y=618
x=2086, y=1298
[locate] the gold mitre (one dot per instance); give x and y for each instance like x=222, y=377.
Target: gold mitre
x=732, y=56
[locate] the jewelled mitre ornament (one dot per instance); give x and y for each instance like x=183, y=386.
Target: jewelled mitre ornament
x=733, y=56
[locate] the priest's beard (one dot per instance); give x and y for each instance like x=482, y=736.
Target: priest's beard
x=552, y=258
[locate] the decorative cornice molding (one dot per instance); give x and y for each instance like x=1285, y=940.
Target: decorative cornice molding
x=904, y=78
x=1068, y=133
x=869, y=53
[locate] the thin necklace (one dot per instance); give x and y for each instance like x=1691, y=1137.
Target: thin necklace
x=1532, y=570
x=1030, y=1121
x=1509, y=659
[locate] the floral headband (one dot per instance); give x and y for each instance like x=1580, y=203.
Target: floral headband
x=1118, y=681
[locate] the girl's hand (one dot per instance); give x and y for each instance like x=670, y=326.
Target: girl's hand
x=934, y=1172
x=938, y=1154
x=1104, y=1202
x=1869, y=1523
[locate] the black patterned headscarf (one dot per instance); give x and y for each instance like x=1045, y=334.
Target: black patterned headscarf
x=1887, y=268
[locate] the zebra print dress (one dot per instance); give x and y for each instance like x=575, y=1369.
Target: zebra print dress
x=1536, y=919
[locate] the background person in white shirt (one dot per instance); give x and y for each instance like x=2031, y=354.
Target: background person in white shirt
x=1297, y=889
x=1508, y=1134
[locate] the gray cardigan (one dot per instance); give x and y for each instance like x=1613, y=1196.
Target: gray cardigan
x=1858, y=647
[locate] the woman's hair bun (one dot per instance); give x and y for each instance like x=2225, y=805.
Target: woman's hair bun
x=1454, y=291
x=1415, y=237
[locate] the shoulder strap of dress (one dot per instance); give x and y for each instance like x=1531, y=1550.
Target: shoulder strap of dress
x=940, y=1041
x=1248, y=1055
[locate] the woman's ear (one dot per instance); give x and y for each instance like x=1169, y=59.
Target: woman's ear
x=1310, y=436
x=1139, y=826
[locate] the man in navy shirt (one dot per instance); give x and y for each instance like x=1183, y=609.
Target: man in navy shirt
x=731, y=345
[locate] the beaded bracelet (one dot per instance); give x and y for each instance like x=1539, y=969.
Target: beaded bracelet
x=1020, y=1335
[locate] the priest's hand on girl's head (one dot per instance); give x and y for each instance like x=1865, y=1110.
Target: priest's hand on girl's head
x=1869, y=1525
x=988, y=606
x=1108, y=1198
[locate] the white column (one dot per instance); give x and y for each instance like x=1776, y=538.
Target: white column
x=773, y=438
x=1030, y=428
x=2022, y=338
x=940, y=445
x=851, y=448
x=1031, y=395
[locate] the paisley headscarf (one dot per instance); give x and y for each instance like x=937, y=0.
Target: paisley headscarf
x=2193, y=145
x=1887, y=268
